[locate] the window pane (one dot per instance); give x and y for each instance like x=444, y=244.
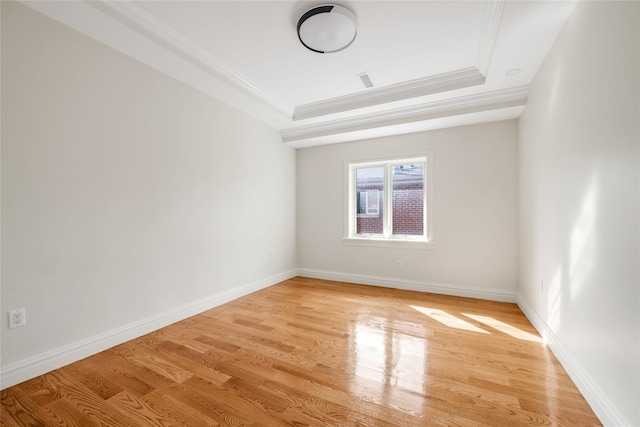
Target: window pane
x=370, y=196
x=408, y=199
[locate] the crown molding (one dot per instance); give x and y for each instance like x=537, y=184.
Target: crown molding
x=451, y=107
x=489, y=34
x=410, y=89
x=135, y=17
x=128, y=13
x=216, y=78
x=457, y=79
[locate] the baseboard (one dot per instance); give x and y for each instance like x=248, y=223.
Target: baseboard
x=18, y=372
x=591, y=392
x=411, y=285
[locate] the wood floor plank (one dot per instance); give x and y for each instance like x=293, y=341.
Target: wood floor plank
x=157, y=364
x=40, y=390
x=198, y=399
x=98, y=384
x=141, y=413
x=81, y=399
x=21, y=409
x=6, y=419
x=198, y=365
x=321, y=353
x=165, y=403
x=126, y=375
x=64, y=413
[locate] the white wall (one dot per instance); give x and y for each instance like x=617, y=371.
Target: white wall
x=125, y=195
x=579, y=196
x=474, y=213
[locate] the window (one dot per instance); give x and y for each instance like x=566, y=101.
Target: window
x=387, y=202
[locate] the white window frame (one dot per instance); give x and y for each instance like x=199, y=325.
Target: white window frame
x=387, y=239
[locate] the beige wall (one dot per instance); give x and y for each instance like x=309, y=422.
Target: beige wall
x=125, y=194
x=579, y=198
x=474, y=213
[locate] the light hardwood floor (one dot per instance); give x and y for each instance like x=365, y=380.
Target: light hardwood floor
x=319, y=353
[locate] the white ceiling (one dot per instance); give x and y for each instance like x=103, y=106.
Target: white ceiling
x=434, y=64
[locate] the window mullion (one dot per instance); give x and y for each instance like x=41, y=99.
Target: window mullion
x=388, y=198
x=353, y=207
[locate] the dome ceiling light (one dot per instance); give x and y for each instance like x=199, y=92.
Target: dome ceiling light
x=327, y=28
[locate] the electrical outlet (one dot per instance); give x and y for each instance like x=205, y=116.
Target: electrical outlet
x=17, y=318
x=400, y=265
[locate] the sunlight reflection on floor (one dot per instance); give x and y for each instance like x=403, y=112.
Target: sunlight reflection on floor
x=505, y=328
x=389, y=357
x=448, y=320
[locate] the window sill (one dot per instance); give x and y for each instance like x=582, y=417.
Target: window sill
x=388, y=243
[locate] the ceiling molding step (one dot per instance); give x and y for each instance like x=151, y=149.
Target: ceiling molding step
x=451, y=107
x=457, y=79
x=128, y=13
x=489, y=34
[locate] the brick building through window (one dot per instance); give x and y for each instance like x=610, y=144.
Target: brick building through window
x=407, y=200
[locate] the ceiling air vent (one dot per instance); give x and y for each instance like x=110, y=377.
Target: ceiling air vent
x=366, y=80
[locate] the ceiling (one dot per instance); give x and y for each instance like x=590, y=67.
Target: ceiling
x=434, y=64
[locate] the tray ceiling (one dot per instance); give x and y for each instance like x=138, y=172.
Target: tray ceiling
x=433, y=64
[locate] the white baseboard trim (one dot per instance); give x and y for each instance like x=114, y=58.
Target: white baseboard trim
x=23, y=370
x=411, y=285
x=602, y=407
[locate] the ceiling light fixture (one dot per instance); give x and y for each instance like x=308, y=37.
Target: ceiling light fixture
x=327, y=28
